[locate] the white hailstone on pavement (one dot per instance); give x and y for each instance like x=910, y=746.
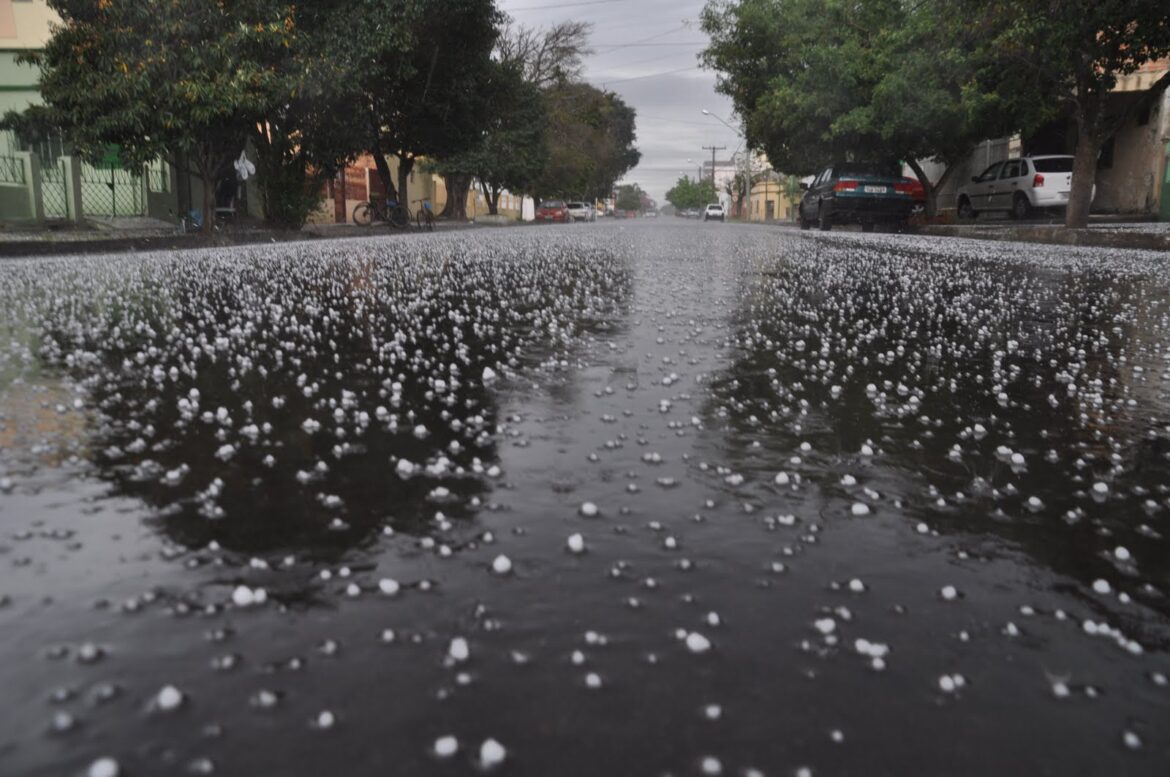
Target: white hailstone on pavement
x=576, y=543
x=948, y=593
x=103, y=767
x=491, y=753
x=1102, y=586
x=168, y=699
x=712, y=712
x=405, y=468
x=825, y=626
x=588, y=509
x=782, y=479
x=866, y=450
x=697, y=643
x=1100, y=490
x=501, y=565
x=856, y=586
x=489, y=375
x=711, y=765
x=593, y=680
x=458, y=650
x=243, y=596
x=388, y=586
x=325, y=720
x=1131, y=740
x=1122, y=553
x=859, y=509
x=446, y=746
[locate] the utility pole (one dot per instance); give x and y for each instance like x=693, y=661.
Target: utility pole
x=713, y=149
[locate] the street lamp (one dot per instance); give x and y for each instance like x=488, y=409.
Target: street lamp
x=747, y=176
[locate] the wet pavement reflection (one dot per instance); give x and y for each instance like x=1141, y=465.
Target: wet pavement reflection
x=615, y=499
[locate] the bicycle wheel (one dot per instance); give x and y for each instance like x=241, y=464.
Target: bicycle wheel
x=363, y=214
x=399, y=217
x=425, y=220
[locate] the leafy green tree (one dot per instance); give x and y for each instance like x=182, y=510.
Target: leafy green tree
x=629, y=197
x=688, y=193
x=825, y=80
x=161, y=78
x=591, y=139
x=1075, y=51
x=512, y=152
x=417, y=72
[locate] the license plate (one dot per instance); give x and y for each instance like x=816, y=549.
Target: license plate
x=875, y=190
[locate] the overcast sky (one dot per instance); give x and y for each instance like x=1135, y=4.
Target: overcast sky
x=646, y=52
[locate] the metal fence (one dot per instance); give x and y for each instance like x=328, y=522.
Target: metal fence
x=110, y=192
x=11, y=170
x=54, y=199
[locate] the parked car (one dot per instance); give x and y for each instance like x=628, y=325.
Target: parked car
x=553, y=210
x=864, y=193
x=1018, y=186
x=918, y=192
x=690, y=213
x=713, y=211
x=582, y=211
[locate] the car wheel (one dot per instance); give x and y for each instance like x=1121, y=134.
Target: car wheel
x=824, y=220
x=805, y=223
x=1021, y=208
x=966, y=211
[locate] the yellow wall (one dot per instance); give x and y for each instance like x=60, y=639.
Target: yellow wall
x=763, y=192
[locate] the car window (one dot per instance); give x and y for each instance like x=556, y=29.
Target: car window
x=1054, y=164
x=871, y=169
x=990, y=173
x=1013, y=168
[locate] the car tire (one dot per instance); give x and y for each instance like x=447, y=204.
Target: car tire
x=966, y=211
x=805, y=223
x=1021, y=208
x=824, y=220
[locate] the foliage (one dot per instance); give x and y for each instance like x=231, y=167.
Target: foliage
x=512, y=151
x=591, y=142
x=417, y=73
x=1075, y=51
x=161, y=77
x=629, y=197
x=825, y=80
x=688, y=193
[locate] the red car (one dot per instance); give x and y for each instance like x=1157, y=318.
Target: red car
x=553, y=210
x=917, y=191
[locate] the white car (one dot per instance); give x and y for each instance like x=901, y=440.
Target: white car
x=713, y=211
x=1018, y=186
x=582, y=211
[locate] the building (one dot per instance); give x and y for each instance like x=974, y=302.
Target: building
x=772, y=197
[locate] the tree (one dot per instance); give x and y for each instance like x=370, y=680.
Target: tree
x=819, y=81
x=416, y=80
x=629, y=197
x=591, y=138
x=546, y=57
x=688, y=193
x=512, y=152
x=155, y=78
x=1075, y=50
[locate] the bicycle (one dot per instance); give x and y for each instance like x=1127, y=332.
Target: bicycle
x=425, y=219
x=365, y=213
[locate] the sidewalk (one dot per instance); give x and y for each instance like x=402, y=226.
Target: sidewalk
x=145, y=234
x=1150, y=236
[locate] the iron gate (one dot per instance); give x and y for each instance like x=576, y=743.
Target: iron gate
x=110, y=192
x=54, y=199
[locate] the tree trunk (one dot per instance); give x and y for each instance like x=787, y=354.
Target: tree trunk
x=405, y=165
x=493, y=198
x=1084, y=175
x=930, y=188
x=383, y=168
x=456, y=206
x=204, y=161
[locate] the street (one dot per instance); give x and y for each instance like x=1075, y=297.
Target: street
x=626, y=498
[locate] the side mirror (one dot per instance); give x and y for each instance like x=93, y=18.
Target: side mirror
x=803, y=186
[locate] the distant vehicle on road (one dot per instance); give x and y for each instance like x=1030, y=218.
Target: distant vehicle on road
x=689, y=213
x=650, y=214
x=582, y=211
x=862, y=193
x=553, y=210
x=714, y=211
x=1018, y=187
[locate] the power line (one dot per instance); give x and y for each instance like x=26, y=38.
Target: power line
x=650, y=75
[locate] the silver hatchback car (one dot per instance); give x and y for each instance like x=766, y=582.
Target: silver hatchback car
x=1018, y=187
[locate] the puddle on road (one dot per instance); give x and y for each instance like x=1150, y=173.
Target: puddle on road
x=634, y=500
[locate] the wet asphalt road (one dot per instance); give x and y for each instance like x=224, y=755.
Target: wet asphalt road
x=616, y=499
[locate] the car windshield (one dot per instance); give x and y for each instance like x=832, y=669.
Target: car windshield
x=1054, y=164
x=576, y=205
x=552, y=204
x=875, y=169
